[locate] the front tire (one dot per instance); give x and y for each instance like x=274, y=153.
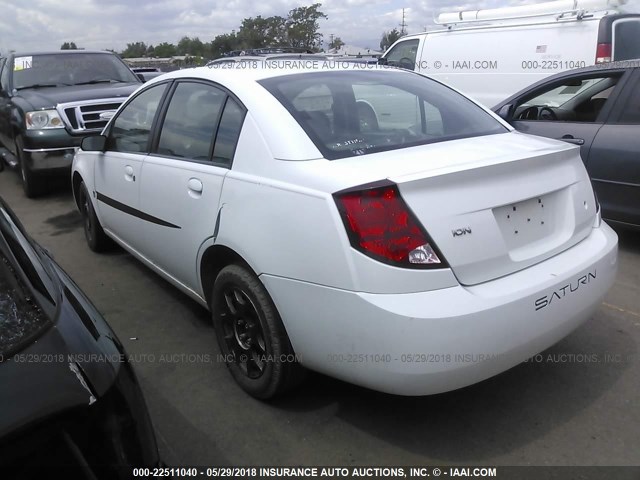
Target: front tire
x=97, y=240
x=251, y=335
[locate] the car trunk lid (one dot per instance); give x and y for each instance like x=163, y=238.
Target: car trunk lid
x=504, y=208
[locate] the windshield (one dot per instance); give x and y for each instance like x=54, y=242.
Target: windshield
x=69, y=69
x=349, y=113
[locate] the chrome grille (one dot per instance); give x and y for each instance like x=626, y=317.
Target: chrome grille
x=89, y=116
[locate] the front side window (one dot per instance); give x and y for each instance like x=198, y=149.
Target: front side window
x=575, y=100
x=190, y=123
x=131, y=128
x=349, y=113
x=403, y=54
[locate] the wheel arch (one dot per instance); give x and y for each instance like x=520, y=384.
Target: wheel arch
x=213, y=260
x=75, y=187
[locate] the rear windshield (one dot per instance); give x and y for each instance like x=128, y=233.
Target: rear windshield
x=626, y=39
x=349, y=113
x=71, y=69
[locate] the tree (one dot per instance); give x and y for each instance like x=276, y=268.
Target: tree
x=336, y=43
x=299, y=29
x=68, y=46
x=164, y=50
x=389, y=38
x=190, y=46
x=134, y=50
x=223, y=44
x=302, y=27
x=262, y=32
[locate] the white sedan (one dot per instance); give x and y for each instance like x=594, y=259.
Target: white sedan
x=370, y=224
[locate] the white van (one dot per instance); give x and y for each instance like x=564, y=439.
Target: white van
x=492, y=54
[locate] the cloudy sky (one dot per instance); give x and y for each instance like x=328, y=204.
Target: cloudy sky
x=101, y=24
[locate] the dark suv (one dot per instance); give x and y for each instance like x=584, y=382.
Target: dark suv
x=49, y=101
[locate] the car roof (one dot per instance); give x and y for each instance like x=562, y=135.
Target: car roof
x=263, y=71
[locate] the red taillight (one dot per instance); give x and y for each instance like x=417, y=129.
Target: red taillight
x=380, y=225
x=603, y=53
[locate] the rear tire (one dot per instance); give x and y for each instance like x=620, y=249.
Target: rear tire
x=251, y=335
x=97, y=240
x=33, y=184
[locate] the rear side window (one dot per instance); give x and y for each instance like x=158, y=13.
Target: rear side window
x=131, y=129
x=626, y=39
x=190, y=123
x=228, y=133
x=349, y=113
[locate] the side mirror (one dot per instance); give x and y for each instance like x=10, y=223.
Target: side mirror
x=505, y=112
x=94, y=143
x=141, y=77
x=382, y=61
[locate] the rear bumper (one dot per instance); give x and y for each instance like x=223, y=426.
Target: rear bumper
x=430, y=342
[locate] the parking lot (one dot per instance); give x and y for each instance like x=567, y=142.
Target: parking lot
x=576, y=404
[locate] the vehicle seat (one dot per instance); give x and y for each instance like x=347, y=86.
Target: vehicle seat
x=589, y=111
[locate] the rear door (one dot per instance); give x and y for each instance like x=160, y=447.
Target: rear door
x=182, y=179
x=614, y=160
x=571, y=109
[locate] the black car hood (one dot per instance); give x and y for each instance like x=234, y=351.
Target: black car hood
x=50, y=97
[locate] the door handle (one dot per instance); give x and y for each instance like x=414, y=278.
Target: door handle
x=195, y=187
x=572, y=139
x=128, y=174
